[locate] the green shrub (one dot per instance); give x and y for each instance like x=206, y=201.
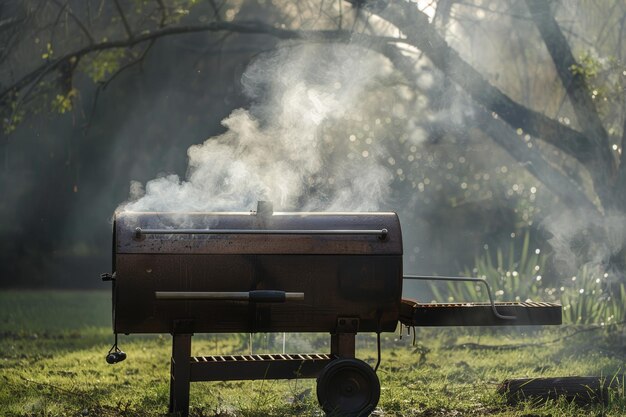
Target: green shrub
x=515, y=275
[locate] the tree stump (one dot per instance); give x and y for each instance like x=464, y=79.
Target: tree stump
x=582, y=390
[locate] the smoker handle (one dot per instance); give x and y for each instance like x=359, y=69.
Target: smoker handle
x=465, y=279
x=255, y=296
x=139, y=232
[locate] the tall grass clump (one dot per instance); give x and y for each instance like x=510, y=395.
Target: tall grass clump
x=590, y=297
x=515, y=274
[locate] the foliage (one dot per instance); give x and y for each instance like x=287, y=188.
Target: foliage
x=102, y=65
x=515, y=275
x=589, y=298
x=63, y=103
x=49, y=52
x=606, y=83
x=14, y=117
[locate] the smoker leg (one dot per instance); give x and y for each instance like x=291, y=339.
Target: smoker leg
x=180, y=374
x=343, y=344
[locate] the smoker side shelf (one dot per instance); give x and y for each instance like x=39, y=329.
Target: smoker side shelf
x=254, y=367
x=413, y=313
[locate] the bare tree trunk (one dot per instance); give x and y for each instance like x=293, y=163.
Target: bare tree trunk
x=602, y=167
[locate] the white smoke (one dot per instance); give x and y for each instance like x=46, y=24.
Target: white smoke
x=581, y=238
x=278, y=150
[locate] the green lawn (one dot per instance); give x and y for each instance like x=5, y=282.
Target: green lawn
x=54, y=344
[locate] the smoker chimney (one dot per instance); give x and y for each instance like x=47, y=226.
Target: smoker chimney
x=264, y=209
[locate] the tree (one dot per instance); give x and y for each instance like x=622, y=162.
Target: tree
x=572, y=145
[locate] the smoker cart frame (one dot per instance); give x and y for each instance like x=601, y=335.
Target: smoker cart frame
x=354, y=386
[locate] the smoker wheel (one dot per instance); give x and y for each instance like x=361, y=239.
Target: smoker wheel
x=348, y=387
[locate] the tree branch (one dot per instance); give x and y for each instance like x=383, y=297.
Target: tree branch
x=562, y=186
x=216, y=9
x=120, y=11
x=420, y=34
x=103, y=85
x=566, y=189
x=164, y=13
x=622, y=161
x=575, y=86
x=10, y=22
x=621, y=179
x=82, y=27
x=239, y=27
x=128, y=65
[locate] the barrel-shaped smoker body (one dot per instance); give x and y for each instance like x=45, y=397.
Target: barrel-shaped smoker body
x=342, y=265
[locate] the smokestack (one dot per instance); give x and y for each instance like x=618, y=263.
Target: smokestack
x=264, y=209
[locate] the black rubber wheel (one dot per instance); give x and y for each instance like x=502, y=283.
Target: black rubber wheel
x=348, y=388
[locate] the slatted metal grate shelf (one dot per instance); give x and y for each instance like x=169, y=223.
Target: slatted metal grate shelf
x=261, y=366
x=413, y=313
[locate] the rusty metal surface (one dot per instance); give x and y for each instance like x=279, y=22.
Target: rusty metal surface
x=128, y=241
x=365, y=287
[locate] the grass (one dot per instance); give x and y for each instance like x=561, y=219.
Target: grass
x=54, y=343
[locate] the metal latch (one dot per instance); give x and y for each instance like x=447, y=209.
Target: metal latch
x=107, y=276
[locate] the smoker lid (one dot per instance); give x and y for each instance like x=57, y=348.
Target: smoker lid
x=266, y=233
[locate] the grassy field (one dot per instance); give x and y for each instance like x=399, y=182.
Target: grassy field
x=54, y=343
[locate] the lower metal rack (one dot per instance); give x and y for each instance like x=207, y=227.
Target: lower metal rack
x=253, y=367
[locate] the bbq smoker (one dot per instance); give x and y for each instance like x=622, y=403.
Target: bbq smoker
x=259, y=271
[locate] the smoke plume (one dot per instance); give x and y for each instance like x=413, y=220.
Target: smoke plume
x=277, y=149
x=581, y=238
